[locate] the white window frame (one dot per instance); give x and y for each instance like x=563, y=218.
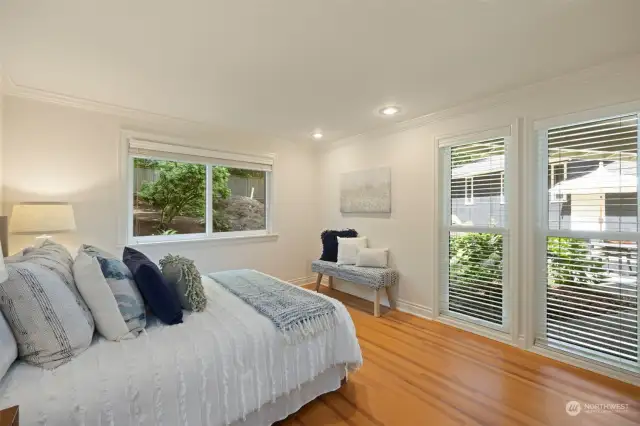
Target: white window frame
x=468, y=191
x=508, y=332
x=179, y=147
x=553, y=197
x=502, y=197
x=536, y=315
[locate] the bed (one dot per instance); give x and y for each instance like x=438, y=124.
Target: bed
x=225, y=366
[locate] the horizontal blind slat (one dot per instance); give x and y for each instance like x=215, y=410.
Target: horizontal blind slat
x=590, y=298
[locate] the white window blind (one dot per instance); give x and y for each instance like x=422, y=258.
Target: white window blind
x=589, y=294
x=474, y=233
x=150, y=149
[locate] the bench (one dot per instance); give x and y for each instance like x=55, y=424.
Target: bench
x=375, y=278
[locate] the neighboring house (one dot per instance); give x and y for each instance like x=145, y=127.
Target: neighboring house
x=583, y=194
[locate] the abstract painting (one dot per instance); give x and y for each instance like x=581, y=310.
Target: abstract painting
x=366, y=191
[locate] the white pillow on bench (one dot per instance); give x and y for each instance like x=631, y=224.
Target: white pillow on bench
x=372, y=257
x=348, y=249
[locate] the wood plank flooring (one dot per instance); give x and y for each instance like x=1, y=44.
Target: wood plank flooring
x=421, y=372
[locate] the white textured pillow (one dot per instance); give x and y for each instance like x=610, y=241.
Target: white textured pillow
x=372, y=257
x=348, y=249
x=8, y=346
x=98, y=295
x=49, y=325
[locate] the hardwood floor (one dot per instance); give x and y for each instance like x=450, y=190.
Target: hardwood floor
x=421, y=372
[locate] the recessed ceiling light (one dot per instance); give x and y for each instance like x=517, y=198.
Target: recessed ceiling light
x=390, y=110
x=317, y=135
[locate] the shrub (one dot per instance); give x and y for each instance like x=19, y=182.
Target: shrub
x=476, y=257
x=569, y=262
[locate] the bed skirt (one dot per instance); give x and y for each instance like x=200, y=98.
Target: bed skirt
x=326, y=382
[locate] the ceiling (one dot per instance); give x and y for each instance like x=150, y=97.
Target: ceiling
x=286, y=67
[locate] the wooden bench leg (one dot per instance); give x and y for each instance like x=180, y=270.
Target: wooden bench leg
x=318, y=281
x=330, y=282
x=376, y=305
x=392, y=303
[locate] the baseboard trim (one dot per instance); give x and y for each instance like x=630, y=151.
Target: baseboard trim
x=614, y=373
x=477, y=329
x=414, y=309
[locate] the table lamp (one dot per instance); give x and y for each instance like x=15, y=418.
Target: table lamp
x=42, y=219
x=3, y=269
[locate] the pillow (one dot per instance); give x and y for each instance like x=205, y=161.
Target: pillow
x=49, y=325
x=8, y=347
x=330, y=243
x=182, y=274
x=97, y=293
x=348, y=249
x=373, y=258
x=122, y=287
x=156, y=291
x=56, y=258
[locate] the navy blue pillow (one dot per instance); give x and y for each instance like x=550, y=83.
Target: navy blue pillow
x=330, y=243
x=161, y=298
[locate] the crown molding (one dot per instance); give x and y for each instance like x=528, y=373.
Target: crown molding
x=9, y=87
x=135, y=117
x=480, y=103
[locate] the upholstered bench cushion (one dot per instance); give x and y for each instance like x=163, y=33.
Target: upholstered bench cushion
x=375, y=278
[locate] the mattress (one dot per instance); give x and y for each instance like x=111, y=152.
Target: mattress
x=217, y=368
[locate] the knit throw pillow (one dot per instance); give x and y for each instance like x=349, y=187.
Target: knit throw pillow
x=330, y=243
x=183, y=275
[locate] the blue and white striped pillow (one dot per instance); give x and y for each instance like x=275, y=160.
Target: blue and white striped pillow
x=43, y=310
x=123, y=287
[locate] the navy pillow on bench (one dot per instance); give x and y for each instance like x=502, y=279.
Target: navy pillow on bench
x=330, y=243
x=156, y=291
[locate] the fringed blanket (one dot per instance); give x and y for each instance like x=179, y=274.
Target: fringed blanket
x=297, y=313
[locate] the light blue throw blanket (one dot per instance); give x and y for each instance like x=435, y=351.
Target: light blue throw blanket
x=297, y=313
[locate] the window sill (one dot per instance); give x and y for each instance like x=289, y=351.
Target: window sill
x=219, y=240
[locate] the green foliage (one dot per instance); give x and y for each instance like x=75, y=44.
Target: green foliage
x=472, y=153
x=246, y=173
x=220, y=186
x=569, y=262
x=144, y=163
x=180, y=189
x=476, y=257
x=221, y=222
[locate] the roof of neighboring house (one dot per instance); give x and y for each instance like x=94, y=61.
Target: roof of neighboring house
x=495, y=163
x=617, y=177
x=492, y=164
x=623, y=168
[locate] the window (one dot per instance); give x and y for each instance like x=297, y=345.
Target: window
x=588, y=304
x=474, y=239
x=178, y=193
x=468, y=191
x=557, y=174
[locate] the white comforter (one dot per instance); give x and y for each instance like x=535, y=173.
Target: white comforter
x=214, y=369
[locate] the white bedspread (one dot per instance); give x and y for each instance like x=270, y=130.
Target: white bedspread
x=214, y=369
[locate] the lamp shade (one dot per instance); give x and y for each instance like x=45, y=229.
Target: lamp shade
x=40, y=218
x=3, y=269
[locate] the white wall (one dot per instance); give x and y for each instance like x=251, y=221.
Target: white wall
x=1, y=144
x=60, y=153
x=410, y=232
